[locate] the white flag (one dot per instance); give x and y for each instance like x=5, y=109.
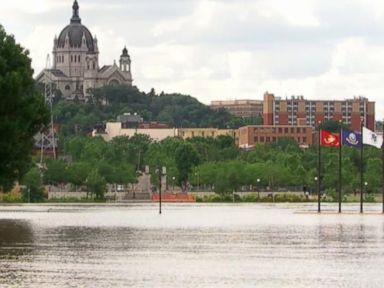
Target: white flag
x=371, y=138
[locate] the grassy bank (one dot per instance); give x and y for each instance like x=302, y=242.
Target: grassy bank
x=284, y=197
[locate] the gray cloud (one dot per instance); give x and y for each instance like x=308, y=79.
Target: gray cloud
x=229, y=48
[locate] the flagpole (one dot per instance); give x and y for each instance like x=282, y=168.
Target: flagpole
x=361, y=164
x=318, y=167
x=340, y=143
x=382, y=161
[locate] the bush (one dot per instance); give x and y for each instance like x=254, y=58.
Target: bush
x=250, y=198
x=370, y=198
x=74, y=200
x=286, y=197
x=12, y=198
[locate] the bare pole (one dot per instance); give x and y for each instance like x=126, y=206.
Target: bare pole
x=382, y=162
x=50, y=134
x=340, y=147
x=361, y=166
x=319, y=168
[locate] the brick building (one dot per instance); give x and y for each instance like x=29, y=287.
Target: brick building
x=240, y=108
x=251, y=135
x=299, y=111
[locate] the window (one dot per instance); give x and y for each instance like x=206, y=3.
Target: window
x=268, y=139
x=67, y=87
x=262, y=139
x=78, y=58
x=71, y=58
x=94, y=65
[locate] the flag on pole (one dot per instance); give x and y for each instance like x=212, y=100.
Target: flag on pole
x=371, y=138
x=329, y=139
x=352, y=139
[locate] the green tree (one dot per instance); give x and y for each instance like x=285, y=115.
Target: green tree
x=373, y=174
x=186, y=158
x=96, y=184
x=34, y=186
x=22, y=110
x=333, y=126
x=77, y=173
x=56, y=172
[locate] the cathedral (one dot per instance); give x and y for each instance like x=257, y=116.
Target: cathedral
x=76, y=68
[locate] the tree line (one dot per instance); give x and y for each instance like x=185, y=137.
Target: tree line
x=208, y=164
x=105, y=104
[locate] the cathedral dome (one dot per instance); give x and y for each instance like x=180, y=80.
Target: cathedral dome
x=75, y=32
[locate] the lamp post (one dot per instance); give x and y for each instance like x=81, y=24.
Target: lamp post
x=258, y=188
x=365, y=186
x=160, y=173
x=198, y=180
x=173, y=183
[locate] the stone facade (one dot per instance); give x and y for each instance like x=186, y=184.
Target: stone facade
x=76, y=62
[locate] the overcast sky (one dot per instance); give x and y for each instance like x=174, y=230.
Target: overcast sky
x=224, y=49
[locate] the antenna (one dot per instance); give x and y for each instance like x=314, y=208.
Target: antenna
x=48, y=139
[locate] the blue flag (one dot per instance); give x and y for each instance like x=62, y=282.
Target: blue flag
x=352, y=139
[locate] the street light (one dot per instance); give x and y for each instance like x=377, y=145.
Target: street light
x=161, y=172
x=365, y=186
x=258, y=188
x=198, y=180
x=173, y=183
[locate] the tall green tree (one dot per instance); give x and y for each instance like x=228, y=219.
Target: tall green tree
x=22, y=110
x=96, y=184
x=56, y=172
x=186, y=158
x=33, y=191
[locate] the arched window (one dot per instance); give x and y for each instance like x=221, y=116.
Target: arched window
x=67, y=87
x=114, y=82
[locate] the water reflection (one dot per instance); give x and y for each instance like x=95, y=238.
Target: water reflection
x=190, y=246
x=16, y=237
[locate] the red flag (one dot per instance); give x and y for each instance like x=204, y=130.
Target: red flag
x=329, y=139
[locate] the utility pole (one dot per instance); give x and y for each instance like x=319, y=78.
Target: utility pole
x=48, y=139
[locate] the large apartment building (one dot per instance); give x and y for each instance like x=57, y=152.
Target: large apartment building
x=297, y=111
x=240, y=108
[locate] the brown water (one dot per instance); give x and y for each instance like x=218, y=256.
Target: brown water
x=194, y=245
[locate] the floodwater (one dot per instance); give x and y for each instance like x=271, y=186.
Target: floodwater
x=191, y=245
